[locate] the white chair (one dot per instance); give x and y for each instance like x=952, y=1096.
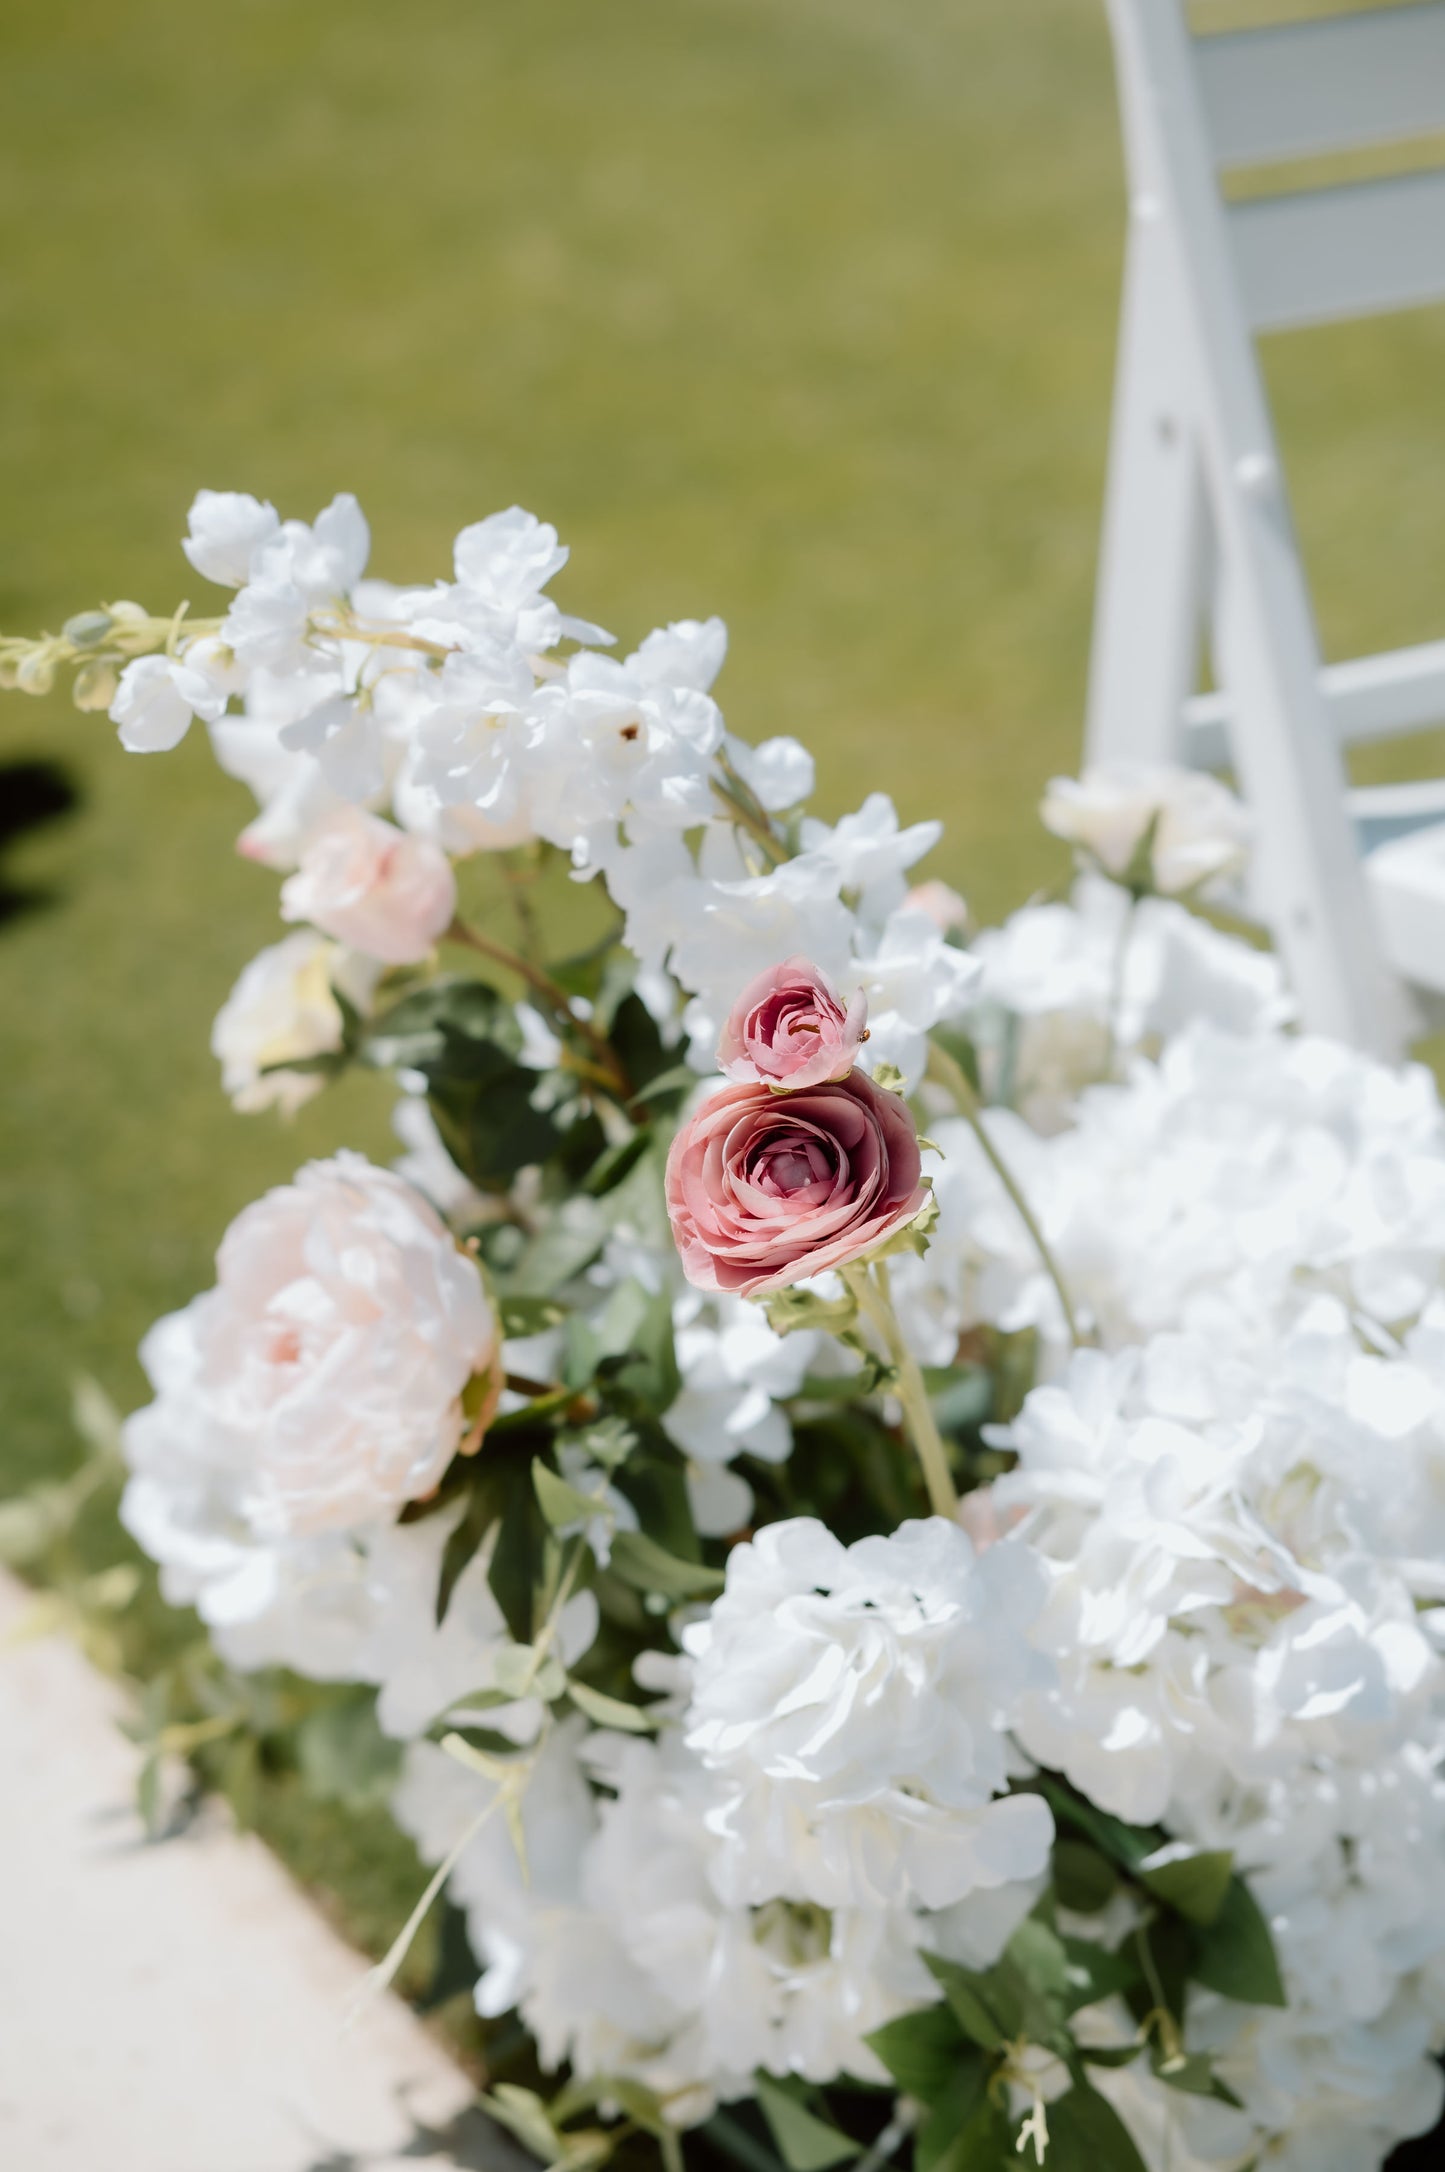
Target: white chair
x=1197, y=529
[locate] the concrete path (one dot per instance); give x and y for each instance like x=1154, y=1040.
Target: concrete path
x=176, y=2008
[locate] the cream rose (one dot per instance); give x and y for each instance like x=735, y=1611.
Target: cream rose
x=319, y=1385
x=283, y=1010
x=1167, y=830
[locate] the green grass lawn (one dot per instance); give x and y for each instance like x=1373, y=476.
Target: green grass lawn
x=802, y=313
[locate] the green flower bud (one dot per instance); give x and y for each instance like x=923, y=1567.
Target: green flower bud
x=95, y=685
x=87, y=629
x=37, y=672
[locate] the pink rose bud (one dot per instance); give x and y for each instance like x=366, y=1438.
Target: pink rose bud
x=944, y=907
x=764, y=1189
x=374, y=887
x=789, y=1028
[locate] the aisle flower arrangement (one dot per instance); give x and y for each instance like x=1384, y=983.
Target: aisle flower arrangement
x=887, y=1481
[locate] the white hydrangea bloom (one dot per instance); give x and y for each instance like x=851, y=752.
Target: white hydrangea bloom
x=855, y=1700
x=1216, y=1606
x=1215, y=1190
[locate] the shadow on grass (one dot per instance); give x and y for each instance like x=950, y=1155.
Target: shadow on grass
x=32, y=793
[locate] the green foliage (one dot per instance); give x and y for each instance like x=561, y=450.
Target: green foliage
x=805, y=2142
x=1086, y=2134
x=1195, y=1882
x=1236, y=1953
x=491, y=1110
x=641, y=1563
x=342, y=1753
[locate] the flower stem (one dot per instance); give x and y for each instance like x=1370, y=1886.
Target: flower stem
x=1117, y=977
x=875, y=1301
x=608, y=1068
x=950, y=1074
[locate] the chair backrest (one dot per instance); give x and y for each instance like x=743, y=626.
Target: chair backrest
x=1305, y=89
x=1197, y=526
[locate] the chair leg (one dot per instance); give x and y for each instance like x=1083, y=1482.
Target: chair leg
x=1149, y=602
x=1308, y=884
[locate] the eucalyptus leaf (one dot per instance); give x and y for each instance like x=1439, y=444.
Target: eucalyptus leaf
x=615, y=1712
x=639, y=1561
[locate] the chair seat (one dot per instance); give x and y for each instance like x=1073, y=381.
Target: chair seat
x=1406, y=881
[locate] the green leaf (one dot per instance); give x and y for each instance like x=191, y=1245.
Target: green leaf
x=914, y=1236
x=789, y=1309
x=1192, y=2073
x=618, y=1161
x=968, y=1993
x=1236, y=1955
x=615, y=1712
x=679, y=1078
x=484, y=1507
x=343, y=1754
x=464, y=1038
x=1126, y=1845
x=1084, y=1880
x=984, y=2144
x=1095, y=1973
x=523, y=2113
x=525, y=1316
x=922, y=2051
x=806, y=2143
x=568, y=1240
x=639, y=1561
x=561, y=1504
x=1086, y=2134
x=1192, y=1881
x=953, y=2107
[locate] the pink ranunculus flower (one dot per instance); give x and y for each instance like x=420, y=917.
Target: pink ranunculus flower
x=789, y=1028
x=764, y=1189
x=374, y=887
x=319, y=1385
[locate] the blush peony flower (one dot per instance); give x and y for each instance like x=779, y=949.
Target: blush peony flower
x=318, y=1386
x=789, y=1028
x=374, y=887
x=764, y=1189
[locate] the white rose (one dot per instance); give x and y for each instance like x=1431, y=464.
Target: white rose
x=1200, y=830
x=282, y=1010
x=319, y=1384
x=373, y=886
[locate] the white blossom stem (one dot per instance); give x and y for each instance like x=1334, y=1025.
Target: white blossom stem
x=875, y=1301
x=950, y=1074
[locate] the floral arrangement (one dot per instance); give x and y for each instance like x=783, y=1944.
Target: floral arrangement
x=909, y=1646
